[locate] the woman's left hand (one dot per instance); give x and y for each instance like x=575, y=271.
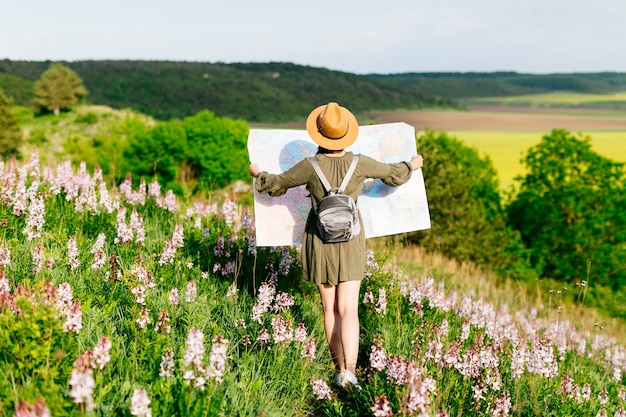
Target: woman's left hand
x=254, y=170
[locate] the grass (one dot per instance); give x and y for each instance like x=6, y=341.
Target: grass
x=545, y=295
x=507, y=148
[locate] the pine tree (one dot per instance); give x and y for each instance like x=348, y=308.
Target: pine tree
x=10, y=133
x=59, y=88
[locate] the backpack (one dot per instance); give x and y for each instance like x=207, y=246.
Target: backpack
x=337, y=213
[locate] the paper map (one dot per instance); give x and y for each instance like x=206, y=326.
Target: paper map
x=385, y=210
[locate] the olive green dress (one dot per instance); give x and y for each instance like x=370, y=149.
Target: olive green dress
x=331, y=263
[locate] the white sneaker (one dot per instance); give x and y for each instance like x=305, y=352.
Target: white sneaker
x=338, y=379
x=349, y=380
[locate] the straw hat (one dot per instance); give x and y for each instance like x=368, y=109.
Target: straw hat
x=332, y=127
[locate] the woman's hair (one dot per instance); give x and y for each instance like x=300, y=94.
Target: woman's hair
x=324, y=150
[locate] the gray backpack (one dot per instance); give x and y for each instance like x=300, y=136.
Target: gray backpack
x=337, y=213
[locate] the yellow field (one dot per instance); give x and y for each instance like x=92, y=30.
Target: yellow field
x=506, y=148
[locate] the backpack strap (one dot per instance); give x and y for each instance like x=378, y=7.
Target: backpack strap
x=346, y=178
x=320, y=174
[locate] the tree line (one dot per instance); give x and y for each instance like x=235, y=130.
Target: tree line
x=282, y=92
x=274, y=92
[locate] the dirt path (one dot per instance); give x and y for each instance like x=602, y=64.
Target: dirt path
x=502, y=119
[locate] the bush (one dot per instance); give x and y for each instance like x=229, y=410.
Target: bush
x=468, y=222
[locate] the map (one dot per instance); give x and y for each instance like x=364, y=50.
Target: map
x=385, y=210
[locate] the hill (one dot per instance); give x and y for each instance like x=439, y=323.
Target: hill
x=115, y=299
x=284, y=92
x=273, y=92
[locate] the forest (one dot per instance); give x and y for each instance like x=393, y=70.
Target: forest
x=283, y=92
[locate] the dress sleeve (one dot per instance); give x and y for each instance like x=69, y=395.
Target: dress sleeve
x=277, y=184
x=392, y=174
x=399, y=173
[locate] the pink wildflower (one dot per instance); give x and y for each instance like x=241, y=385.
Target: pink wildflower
x=282, y=301
x=479, y=393
x=4, y=284
x=542, y=360
x=229, y=212
x=397, y=370
x=378, y=358
x=266, y=293
x=38, y=258
x=38, y=409
x=169, y=202
x=5, y=255
x=264, y=336
x=140, y=404
x=124, y=233
x=178, y=236
x=417, y=400
x=381, y=408
x=381, y=305
x=169, y=251
x=101, y=352
x=300, y=333
x=136, y=227
x=519, y=359
x=144, y=318
x=194, y=372
x=82, y=384
x=173, y=297
x=139, y=292
x=283, y=332
x=232, y=290
x=166, y=368
x=192, y=292
x=285, y=263
x=501, y=407
x=72, y=253
x=308, y=349
x=162, y=324
x=35, y=219
x=217, y=358
x=73, y=318
x=105, y=199
x=97, y=252
x=154, y=189
x=321, y=390
x=64, y=296
x=371, y=265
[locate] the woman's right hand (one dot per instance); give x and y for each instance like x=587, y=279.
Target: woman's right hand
x=417, y=162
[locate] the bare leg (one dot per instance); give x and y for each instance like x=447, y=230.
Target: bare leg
x=332, y=324
x=348, y=307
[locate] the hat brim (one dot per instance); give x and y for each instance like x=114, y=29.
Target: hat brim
x=328, y=143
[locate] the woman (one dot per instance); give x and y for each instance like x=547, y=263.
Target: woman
x=336, y=268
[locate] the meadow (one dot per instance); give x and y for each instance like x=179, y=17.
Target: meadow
x=130, y=301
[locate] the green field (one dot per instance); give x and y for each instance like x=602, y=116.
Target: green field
x=506, y=148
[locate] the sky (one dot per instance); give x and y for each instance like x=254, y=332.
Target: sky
x=361, y=37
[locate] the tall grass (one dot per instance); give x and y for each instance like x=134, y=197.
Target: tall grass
x=122, y=301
